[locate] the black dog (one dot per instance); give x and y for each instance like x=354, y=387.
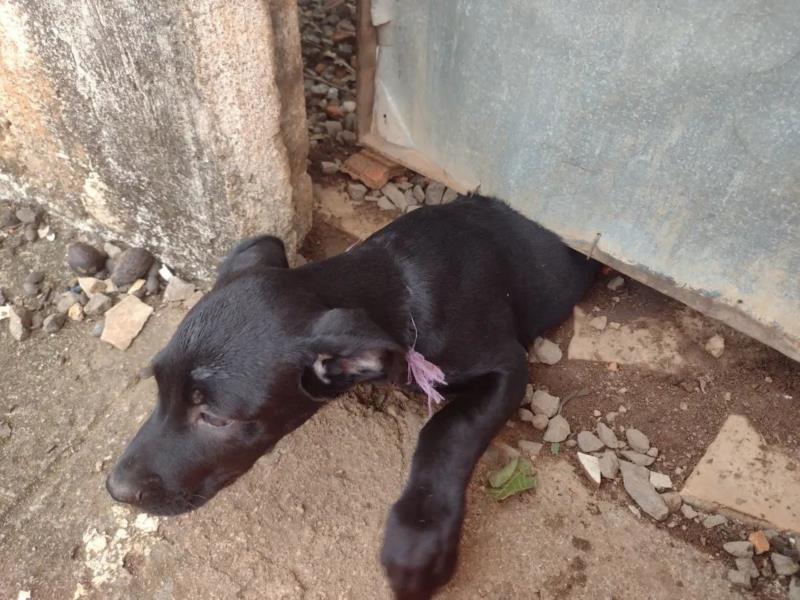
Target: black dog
x=467, y=285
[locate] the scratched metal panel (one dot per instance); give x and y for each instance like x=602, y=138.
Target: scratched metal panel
x=670, y=128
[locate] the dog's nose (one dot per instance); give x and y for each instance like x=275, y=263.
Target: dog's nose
x=132, y=490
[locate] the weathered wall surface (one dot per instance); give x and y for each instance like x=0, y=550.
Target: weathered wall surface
x=178, y=125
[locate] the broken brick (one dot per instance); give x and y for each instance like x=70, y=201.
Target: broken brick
x=759, y=541
x=372, y=169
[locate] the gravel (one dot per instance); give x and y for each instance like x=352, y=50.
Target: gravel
x=546, y=351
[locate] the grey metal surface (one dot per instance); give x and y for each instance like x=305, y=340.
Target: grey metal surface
x=670, y=128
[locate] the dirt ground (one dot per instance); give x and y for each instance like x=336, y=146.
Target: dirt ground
x=306, y=522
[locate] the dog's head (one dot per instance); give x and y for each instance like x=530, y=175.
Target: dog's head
x=250, y=362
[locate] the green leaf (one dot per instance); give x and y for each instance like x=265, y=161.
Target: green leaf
x=522, y=479
x=499, y=478
x=555, y=448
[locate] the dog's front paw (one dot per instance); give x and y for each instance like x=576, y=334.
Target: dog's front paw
x=420, y=552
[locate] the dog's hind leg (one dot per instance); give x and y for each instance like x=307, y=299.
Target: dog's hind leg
x=423, y=529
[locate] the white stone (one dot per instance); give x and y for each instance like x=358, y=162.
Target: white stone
x=591, y=465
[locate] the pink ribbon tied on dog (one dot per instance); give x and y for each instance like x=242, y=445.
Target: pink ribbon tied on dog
x=425, y=374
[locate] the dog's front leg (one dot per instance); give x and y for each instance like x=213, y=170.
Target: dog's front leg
x=423, y=528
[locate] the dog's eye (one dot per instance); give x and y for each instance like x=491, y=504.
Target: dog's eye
x=197, y=397
x=213, y=420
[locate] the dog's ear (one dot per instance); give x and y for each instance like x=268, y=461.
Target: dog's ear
x=265, y=250
x=348, y=347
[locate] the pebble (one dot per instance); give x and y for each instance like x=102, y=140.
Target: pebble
x=557, y=430
x=65, y=301
x=30, y=289
x=638, y=458
x=525, y=415
x=54, y=323
x=607, y=435
x=540, y=422
x=419, y=194
x=759, y=541
x=715, y=346
x=545, y=404
x=385, y=204
x=616, y=283
x=328, y=167
x=609, y=465
x=97, y=330
x=449, y=196
x=112, y=250
x=591, y=465
x=570, y=443
x=85, y=259
x=178, y=290
x=688, y=511
x=794, y=588
x=37, y=320
x=747, y=565
x=138, y=288
x=652, y=452
x=125, y=321
x=349, y=106
x=636, y=439
x=153, y=284
x=5, y=430
x=599, y=323
x=91, y=285
x=26, y=215
x=589, y=442
x=739, y=578
x=613, y=367
x=597, y=414
x=35, y=277
x=434, y=193
x=712, y=521
x=639, y=488
x=783, y=565
x=611, y=417
x=357, y=191
x=98, y=304
x=546, y=351
x=130, y=265
x=530, y=448
x=394, y=195
x=660, y=481
x=75, y=312
x=8, y=218
x=673, y=500
x=29, y=233
x=19, y=323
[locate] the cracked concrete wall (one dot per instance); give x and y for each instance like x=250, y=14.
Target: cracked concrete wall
x=180, y=127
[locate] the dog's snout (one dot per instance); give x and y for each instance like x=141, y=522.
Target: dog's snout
x=133, y=490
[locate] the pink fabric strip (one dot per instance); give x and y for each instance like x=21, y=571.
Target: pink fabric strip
x=426, y=375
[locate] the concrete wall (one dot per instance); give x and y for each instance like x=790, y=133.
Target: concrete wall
x=176, y=124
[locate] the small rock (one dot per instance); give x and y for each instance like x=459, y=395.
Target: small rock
x=357, y=191
x=597, y=414
x=112, y=250
x=599, y=323
x=30, y=290
x=35, y=277
x=349, y=106
x=97, y=330
x=591, y=465
x=333, y=128
x=529, y=448
x=75, y=312
x=546, y=351
x=125, y=321
x=609, y=465
x=637, y=440
x=5, y=430
x=19, y=323
x=557, y=430
x=673, y=500
x=529, y=391
x=419, y=194
x=589, y=442
x=570, y=443
x=37, y=320
x=84, y=259
x=543, y=403
x=739, y=578
x=328, y=167
x=394, y=195
x=97, y=305
x=616, y=283
x=759, y=541
x=747, y=565
x=192, y=300
x=8, y=218
x=688, y=511
x=712, y=521
x=178, y=290
x=130, y=265
x=652, y=452
x=26, y=215
x=642, y=492
x=65, y=301
x=715, y=346
x=138, y=288
x=540, y=422
x=638, y=458
x=91, y=285
x=434, y=193
x=612, y=366
x=783, y=565
x=54, y=323
x=525, y=415
x=153, y=284
x=449, y=196
x=385, y=204
x=30, y=233
x=611, y=417
x=660, y=481
x=607, y=435
x=410, y=201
